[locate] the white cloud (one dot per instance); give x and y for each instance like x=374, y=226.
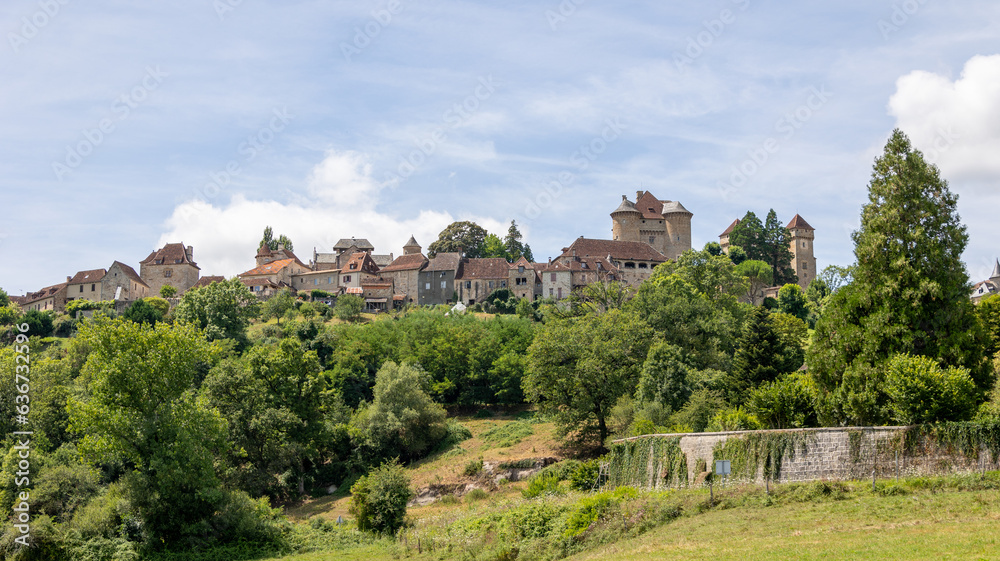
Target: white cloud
x=339, y=201
x=955, y=123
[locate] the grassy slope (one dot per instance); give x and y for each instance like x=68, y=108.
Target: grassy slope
x=946, y=525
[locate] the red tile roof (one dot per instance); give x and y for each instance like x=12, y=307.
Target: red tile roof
x=260, y=282
x=170, y=254
x=639, y=251
x=376, y=284
x=444, y=262
x=91, y=276
x=44, y=293
x=800, y=223
x=205, y=281
x=729, y=230
x=269, y=268
x=406, y=263
x=650, y=207
x=360, y=262
x=484, y=268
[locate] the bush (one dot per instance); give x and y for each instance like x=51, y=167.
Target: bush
x=476, y=494
x=473, y=468
x=733, y=419
x=457, y=432
x=547, y=484
x=378, y=500
x=920, y=391
x=159, y=304
x=508, y=434
x=785, y=403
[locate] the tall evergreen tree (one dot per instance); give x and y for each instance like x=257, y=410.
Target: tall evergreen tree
x=776, y=247
x=515, y=248
x=749, y=234
x=760, y=356
x=910, y=291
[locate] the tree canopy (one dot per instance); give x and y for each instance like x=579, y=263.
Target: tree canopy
x=466, y=237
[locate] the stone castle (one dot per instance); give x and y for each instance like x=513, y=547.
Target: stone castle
x=664, y=225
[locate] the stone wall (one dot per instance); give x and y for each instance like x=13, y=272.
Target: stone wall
x=810, y=454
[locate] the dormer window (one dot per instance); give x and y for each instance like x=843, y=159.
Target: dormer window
x=520, y=269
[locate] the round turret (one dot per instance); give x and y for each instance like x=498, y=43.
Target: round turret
x=625, y=222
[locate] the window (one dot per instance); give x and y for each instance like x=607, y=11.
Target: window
x=805, y=243
x=329, y=280
x=442, y=274
x=354, y=266
x=520, y=268
x=468, y=285
x=427, y=286
x=560, y=293
x=652, y=239
x=315, y=282
x=168, y=273
x=503, y=284
x=93, y=287
x=805, y=265
x=643, y=266
x=491, y=285
x=550, y=292
x=81, y=288
x=347, y=278
x=552, y=277
x=444, y=284
x=630, y=265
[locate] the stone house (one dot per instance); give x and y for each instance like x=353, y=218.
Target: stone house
x=634, y=261
x=561, y=277
x=357, y=270
x=121, y=282
x=272, y=276
x=478, y=277
x=85, y=285
x=405, y=272
x=326, y=280
x=172, y=265
x=377, y=294
x=205, y=281
x=437, y=280
x=345, y=248
x=524, y=278
x=664, y=225
x=49, y=298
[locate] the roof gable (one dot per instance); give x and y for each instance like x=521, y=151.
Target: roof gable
x=799, y=223
x=484, y=268
x=640, y=251
x=91, y=276
x=414, y=261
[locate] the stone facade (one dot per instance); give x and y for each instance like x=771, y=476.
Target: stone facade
x=360, y=268
x=405, y=274
x=325, y=280
x=633, y=260
x=436, y=283
x=49, y=298
x=524, y=279
x=477, y=278
x=121, y=282
x=173, y=265
x=827, y=453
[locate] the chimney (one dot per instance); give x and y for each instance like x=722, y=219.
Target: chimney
x=190, y=252
x=638, y=195
x=281, y=247
x=624, y=198
x=68, y=278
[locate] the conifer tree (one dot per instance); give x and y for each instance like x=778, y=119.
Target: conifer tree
x=760, y=356
x=776, y=248
x=910, y=291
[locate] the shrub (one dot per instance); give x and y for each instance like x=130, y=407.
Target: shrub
x=733, y=419
x=508, y=434
x=378, y=500
x=547, y=484
x=785, y=403
x=473, y=468
x=456, y=433
x=159, y=304
x=476, y=495
x=348, y=307
x=920, y=391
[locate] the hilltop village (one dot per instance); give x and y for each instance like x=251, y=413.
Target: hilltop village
x=645, y=233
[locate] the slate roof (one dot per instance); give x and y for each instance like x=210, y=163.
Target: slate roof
x=414, y=261
x=444, y=262
x=639, y=251
x=675, y=207
x=91, y=276
x=382, y=260
x=626, y=206
x=170, y=254
x=484, y=268
x=996, y=270
x=360, y=243
x=800, y=223
x=412, y=242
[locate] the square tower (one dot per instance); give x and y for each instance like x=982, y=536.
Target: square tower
x=801, y=238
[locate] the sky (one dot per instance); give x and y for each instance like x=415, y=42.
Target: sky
x=130, y=125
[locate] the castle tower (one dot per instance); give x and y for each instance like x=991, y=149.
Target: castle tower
x=625, y=222
x=678, y=221
x=264, y=255
x=801, y=244
x=411, y=247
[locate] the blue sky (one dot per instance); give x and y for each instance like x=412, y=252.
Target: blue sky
x=202, y=121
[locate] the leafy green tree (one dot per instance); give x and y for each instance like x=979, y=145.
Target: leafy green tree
x=578, y=368
x=733, y=419
x=402, y=421
x=9, y=314
x=792, y=301
x=737, y=255
x=273, y=243
x=222, y=310
x=776, y=244
x=141, y=312
x=603, y=295
x=758, y=275
x=697, y=413
x=760, y=357
x=713, y=248
x=920, y=391
x=278, y=305
x=988, y=311
x=515, y=248
x=494, y=247
x=167, y=291
x=792, y=333
x=665, y=378
x=467, y=238
x=714, y=277
x=837, y=277
x=137, y=406
x=817, y=294
x=4, y=299
x=39, y=323
x=749, y=235
x=910, y=291
x=379, y=499
x=501, y=301
x=348, y=307
x=785, y=403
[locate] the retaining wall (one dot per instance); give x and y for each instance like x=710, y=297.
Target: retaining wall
x=812, y=454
